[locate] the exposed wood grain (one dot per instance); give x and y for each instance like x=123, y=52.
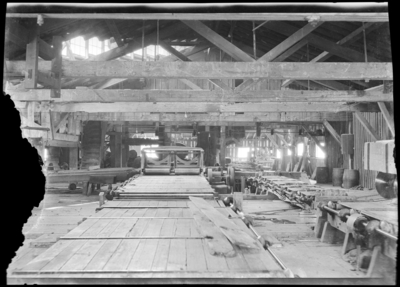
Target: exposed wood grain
x=123, y=255
x=143, y=258
x=195, y=257
x=59, y=260
x=161, y=257
x=177, y=255
x=103, y=255
x=83, y=256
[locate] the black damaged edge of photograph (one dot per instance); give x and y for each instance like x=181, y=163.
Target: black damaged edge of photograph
x=214, y=143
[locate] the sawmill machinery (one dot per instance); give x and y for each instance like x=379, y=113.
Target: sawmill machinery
x=172, y=161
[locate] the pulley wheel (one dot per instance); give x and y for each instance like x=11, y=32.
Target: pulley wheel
x=72, y=186
x=231, y=176
x=386, y=185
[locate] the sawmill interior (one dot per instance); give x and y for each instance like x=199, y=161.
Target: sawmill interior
x=207, y=147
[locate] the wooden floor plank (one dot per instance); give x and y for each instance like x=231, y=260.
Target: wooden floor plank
x=143, y=258
x=122, y=255
x=235, y=234
x=138, y=228
x=181, y=203
x=194, y=230
x=161, y=257
x=110, y=228
x=183, y=227
x=186, y=212
x=150, y=212
x=139, y=212
x=176, y=212
x=168, y=228
x=172, y=203
x=133, y=203
x=125, y=227
x=163, y=203
x=195, y=257
x=83, y=256
x=145, y=203
x=96, y=228
x=238, y=262
x=153, y=228
x=214, y=262
x=44, y=258
x=81, y=228
x=104, y=212
x=216, y=240
x=162, y=212
x=60, y=259
x=177, y=255
x=103, y=255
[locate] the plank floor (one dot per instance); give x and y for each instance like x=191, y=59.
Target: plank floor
x=145, y=236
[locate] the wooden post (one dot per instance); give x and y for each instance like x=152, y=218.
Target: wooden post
x=118, y=150
x=56, y=64
x=32, y=53
x=222, y=147
x=73, y=158
x=242, y=184
x=125, y=154
x=167, y=135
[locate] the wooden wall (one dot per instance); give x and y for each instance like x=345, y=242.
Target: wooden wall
x=367, y=177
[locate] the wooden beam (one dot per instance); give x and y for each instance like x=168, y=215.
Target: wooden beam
x=205, y=107
x=279, y=49
x=63, y=118
x=215, y=119
x=61, y=143
x=340, y=17
x=388, y=118
x=269, y=136
x=114, y=32
x=56, y=65
x=332, y=131
x=219, y=70
x=355, y=35
x=367, y=126
x=110, y=95
x=218, y=41
x=322, y=43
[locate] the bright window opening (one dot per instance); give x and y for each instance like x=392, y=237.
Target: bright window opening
x=319, y=152
x=78, y=46
x=278, y=154
x=289, y=151
x=45, y=154
x=300, y=149
x=64, y=51
x=243, y=151
x=94, y=46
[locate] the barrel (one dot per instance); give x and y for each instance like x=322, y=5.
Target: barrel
x=351, y=178
x=337, y=176
x=322, y=174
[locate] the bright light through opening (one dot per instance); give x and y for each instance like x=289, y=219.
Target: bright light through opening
x=278, y=153
x=300, y=149
x=289, y=152
x=45, y=154
x=150, y=154
x=319, y=152
x=243, y=151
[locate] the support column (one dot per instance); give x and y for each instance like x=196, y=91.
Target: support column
x=125, y=153
x=222, y=147
x=118, y=150
x=167, y=135
x=73, y=158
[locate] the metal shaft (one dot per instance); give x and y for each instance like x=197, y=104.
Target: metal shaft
x=269, y=250
x=380, y=231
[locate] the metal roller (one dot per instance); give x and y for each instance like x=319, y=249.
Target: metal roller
x=156, y=171
x=187, y=171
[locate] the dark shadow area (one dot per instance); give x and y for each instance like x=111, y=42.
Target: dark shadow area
x=22, y=181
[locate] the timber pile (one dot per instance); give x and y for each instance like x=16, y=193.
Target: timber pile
x=70, y=176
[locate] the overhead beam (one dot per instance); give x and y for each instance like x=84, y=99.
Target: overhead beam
x=219, y=41
x=279, y=49
x=114, y=32
x=63, y=118
x=388, y=118
x=215, y=118
x=219, y=70
x=322, y=43
x=269, y=136
x=339, y=17
x=168, y=48
x=367, y=126
x=204, y=107
x=110, y=95
x=332, y=131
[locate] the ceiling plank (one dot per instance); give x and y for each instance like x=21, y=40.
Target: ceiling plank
x=221, y=70
x=115, y=95
x=351, y=17
x=206, y=107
